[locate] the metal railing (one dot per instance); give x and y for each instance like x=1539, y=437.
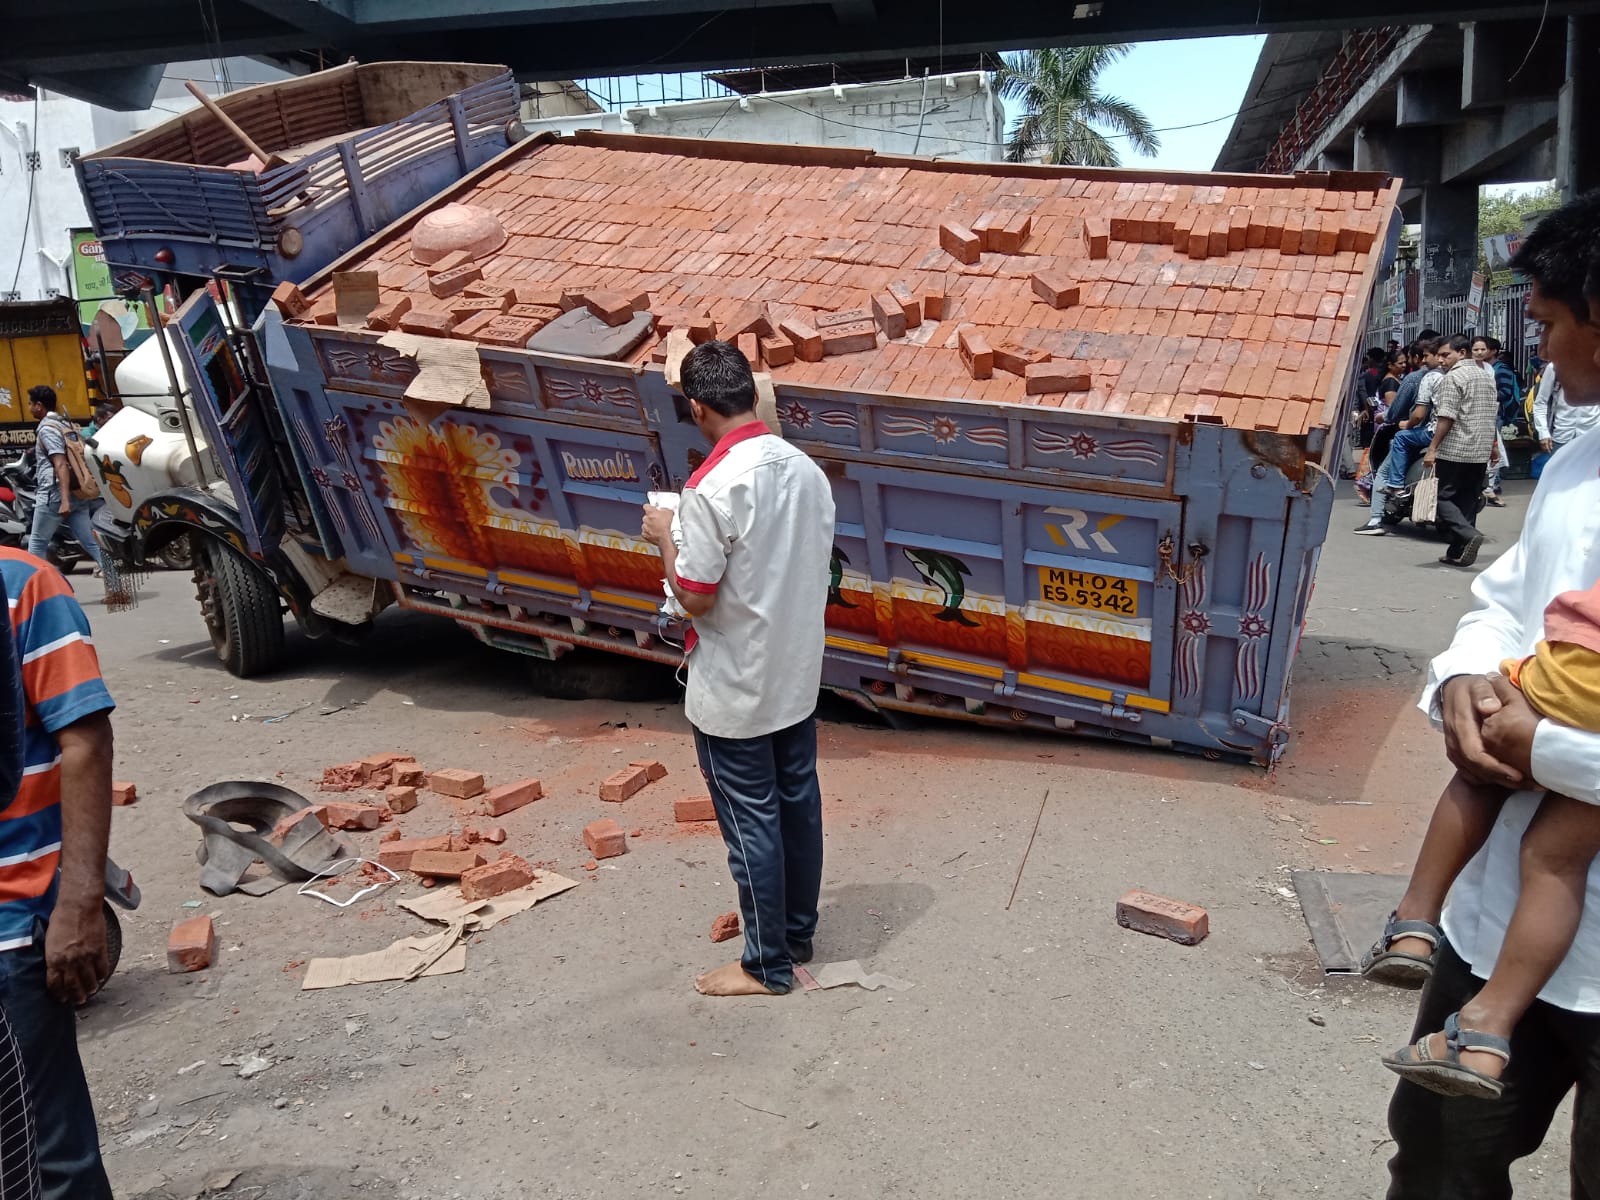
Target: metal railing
x=1500, y=315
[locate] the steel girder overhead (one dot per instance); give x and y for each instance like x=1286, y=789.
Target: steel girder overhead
x=103, y=49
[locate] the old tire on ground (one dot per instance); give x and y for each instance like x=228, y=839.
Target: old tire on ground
x=113, y=938
x=241, y=611
x=595, y=675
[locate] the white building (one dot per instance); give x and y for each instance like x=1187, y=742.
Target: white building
x=951, y=116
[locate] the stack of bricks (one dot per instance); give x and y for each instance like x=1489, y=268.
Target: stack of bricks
x=1210, y=297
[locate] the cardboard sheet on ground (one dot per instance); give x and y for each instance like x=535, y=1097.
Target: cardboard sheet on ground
x=441, y=953
x=447, y=905
x=843, y=974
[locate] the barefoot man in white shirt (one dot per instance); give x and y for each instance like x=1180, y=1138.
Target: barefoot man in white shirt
x=1458, y=1147
x=747, y=558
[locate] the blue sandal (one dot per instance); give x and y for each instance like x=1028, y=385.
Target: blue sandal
x=1448, y=1075
x=1410, y=971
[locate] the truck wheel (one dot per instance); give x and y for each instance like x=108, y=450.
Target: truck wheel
x=177, y=555
x=595, y=675
x=241, y=611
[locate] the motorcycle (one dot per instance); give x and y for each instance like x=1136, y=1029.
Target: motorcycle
x=17, y=500
x=1397, y=505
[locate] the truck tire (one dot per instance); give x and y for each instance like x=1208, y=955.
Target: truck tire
x=241, y=610
x=594, y=675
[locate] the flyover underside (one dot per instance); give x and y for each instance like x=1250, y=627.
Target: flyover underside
x=89, y=45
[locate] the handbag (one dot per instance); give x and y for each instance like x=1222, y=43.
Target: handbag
x=1425, y=498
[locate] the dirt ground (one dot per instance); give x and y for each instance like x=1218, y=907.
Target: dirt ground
x=1038, y=1047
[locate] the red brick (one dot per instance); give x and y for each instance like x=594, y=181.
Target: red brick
x=605, y=838
x=619, y=785
x=465, y=307
x=452, y=781
x=506, y=330
x=848, y=333
x=377, y=769
x=1055, y=289
x=386, y=317
x=191, y=945
x=1142, y=912
x=890, y=314
x=456, y=258
x=498, y=291
x=428, y=322
x=750, y=346
x=1217, y=242
x=123, y=794
x=496, y=878
x=976, y=355
x=693, y=808
x=446, y=864
x=807, y=341
x=335, y=814
x=960, y=242
x=541, y=313
x=448, y=283
x=493, y=834
x=777, y=350
x=653, y=770
x=747, y=318
x=542, y=297
x=324, y=311
x=410, y=774
x=1096, y=237
x=1015, y=235
x=400, y=799
x=282, y=830
x=933, y=305
x=1015, y=359
x=1050, y=378
x=989, y=229
x=701, y=329
x=910, y=306
x=725, y=928
x=397, y=854
x=512, y=796
x=291, y=301
x=609, y=307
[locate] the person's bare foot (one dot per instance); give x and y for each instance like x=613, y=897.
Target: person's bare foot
x=731, y=980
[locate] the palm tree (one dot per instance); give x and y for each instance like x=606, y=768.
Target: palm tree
x=1063, y=110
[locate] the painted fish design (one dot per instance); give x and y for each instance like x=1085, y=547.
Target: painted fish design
x=836, y=565
x=944, y=572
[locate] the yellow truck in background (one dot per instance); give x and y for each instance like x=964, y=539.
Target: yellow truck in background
x=40, y=342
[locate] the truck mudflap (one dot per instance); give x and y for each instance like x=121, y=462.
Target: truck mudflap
x=171, y=514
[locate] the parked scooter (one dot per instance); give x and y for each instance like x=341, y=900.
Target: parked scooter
x=1397, y=505
x=17, y=499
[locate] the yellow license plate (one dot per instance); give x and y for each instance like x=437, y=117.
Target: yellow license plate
x=1084, y=589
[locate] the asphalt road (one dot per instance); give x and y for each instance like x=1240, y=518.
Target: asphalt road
x=1042, y=1051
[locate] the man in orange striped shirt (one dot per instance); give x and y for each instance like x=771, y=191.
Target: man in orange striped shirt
x=53, y=842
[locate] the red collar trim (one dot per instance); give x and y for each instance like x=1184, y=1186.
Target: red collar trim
x=726, y=443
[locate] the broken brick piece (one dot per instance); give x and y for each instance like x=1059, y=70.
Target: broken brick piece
x=619, y=785
x=377, y=768
x=750, y=346
x=191, y=945
x=410, y=774
x=445, y=864
x=890, y=315
x=123, y=794
x=933, y=304
x=693, y=808
x=609, y=307
x=605, y=838
x=324, y=311
x=386, y=317
x=909, y=304
x=1055, y=290
x=346, y=777
x=400, y=799
x=1015, y=359
x=496, y=878
x=1050, y=378
x=976, y=355
x=777, y=350
x=335, y=814
x=807, y=341
x=452, y=781
x=444, y=284
x=493, y=834
x=509, y=797
x=653, y=770
x=291, y=301
x=960, y=242
x=1144, y=912
x=725, y=928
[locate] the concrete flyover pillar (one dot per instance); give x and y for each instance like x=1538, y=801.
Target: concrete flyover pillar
x=1449, y=245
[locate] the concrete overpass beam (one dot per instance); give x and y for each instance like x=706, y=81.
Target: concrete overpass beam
x=1577, y=149
x=1413, y=155
x=1477, y=147
x=1336, y=158
x=1449, y=251
x=1483, y=65
x=1426, y=98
